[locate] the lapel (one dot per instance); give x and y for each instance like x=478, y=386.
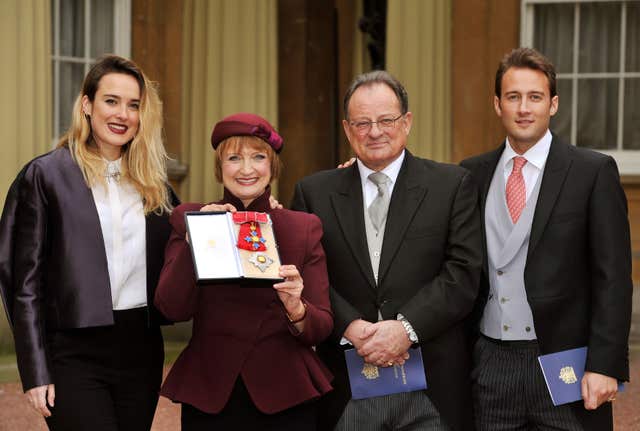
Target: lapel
x=555, y=172
x=152, y=235
x=157, y=234
x=408, y=193
x=483, y=175
x=83, y=197
x=488, y=167
x=348, y=209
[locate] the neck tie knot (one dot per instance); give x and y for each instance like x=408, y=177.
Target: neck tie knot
x=518, y=164
x=380, y=180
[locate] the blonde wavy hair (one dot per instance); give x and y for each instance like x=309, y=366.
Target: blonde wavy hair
x=144, y=159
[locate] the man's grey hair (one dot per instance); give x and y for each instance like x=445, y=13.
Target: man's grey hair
x=377, y=77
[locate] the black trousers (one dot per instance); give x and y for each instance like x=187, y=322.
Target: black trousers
x=241, y=414
x=106, y=378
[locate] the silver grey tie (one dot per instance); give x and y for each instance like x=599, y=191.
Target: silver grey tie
x=380, y=205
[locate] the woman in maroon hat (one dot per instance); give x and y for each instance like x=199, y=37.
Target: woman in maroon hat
x=250, y=363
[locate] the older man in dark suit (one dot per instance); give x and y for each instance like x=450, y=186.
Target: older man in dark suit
x=558, y=268
x=403, y=243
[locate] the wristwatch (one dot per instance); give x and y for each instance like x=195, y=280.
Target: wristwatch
x=413, y=337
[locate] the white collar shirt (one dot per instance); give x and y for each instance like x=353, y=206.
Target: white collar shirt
x=123, y=225
x=369, y=189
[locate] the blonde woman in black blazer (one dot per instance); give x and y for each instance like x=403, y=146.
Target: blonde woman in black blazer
x=83, y=233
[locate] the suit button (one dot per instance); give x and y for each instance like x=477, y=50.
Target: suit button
x=505, y=327
x=503, y=300
x=500, y=272
x=528, y=329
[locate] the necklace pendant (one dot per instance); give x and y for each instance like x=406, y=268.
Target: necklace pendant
x=113, y=176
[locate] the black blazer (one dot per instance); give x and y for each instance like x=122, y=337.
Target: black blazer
x=429, y=271
x=578, y=270
x=54, y=273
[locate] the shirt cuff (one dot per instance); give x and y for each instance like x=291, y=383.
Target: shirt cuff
x=344, y=341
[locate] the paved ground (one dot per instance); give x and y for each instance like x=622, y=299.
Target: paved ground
x=15, y=415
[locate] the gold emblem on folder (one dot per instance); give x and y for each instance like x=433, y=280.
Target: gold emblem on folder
x=567, y=375
x=370, y=372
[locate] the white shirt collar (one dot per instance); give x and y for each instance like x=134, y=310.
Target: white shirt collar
x=536, y=155
x=391, y=170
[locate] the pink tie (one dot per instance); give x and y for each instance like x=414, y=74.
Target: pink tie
x=516, y=191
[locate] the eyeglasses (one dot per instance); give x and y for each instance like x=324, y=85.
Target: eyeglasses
x=363, y=127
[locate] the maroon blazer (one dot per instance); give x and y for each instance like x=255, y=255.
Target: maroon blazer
x=240, y=329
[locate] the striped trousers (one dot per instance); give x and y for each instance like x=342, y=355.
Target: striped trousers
x=407, y=411
x=509, y=391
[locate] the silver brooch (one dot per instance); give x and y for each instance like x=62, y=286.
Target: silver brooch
x=261, y=260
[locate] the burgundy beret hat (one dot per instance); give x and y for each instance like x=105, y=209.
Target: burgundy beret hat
x=245, y=124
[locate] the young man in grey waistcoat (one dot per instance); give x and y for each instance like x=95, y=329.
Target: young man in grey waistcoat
x=557, y=275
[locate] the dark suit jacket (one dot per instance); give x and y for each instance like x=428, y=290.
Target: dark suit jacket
x=240, y=328
x=54, y=267
x=429, y=271
x=578, y=270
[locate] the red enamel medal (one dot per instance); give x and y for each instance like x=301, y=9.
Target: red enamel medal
x=250, y=236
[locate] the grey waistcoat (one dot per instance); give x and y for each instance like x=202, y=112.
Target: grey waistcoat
x=507, y=314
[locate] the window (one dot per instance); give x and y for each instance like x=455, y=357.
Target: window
x=82, y=30
x=595, y=46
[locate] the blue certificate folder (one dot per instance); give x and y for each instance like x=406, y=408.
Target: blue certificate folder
x=369, y=381
x=563, y=373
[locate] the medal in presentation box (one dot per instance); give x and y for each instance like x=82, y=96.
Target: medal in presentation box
x=227, y=246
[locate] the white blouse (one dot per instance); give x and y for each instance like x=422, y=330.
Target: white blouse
x=123, y=226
